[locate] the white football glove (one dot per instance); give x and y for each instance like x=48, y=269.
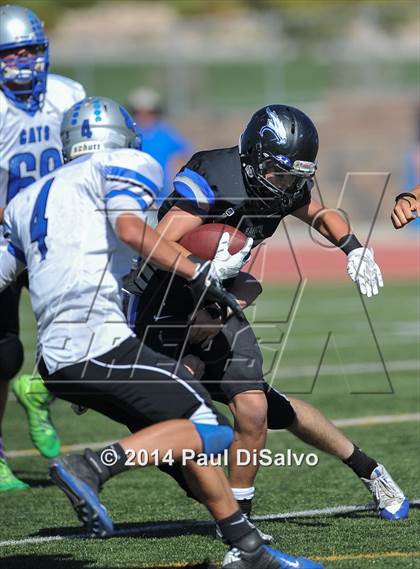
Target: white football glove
x=363, y=270
x=226, y=265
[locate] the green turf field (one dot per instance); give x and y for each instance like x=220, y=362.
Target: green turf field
x=351, y=383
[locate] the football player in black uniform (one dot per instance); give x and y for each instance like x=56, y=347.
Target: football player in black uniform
x=252, y=187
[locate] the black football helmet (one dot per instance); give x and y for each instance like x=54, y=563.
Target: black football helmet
x=278, y=151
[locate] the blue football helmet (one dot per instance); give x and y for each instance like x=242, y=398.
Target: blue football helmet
x=23, y=79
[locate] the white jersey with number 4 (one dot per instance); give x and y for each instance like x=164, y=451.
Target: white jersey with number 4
x=62, y=228
x=30, y=145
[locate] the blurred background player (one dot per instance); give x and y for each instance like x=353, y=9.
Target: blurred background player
x=406, y=208
x=411, y=180
x=32, y=103
x=159, y=139
x=76, y=230
x=253, y=187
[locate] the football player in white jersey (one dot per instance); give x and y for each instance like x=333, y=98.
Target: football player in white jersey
x=76, y=230
x=32, y=103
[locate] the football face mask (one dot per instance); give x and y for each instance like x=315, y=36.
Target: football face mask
x=23, y=74
x=280, y=176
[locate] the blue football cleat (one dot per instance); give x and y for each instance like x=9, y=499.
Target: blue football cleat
x=266, y=558
x=389, y=499
x=76, y=478
x=287, y=561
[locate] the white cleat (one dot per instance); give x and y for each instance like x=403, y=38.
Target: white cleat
x=389, y=499
x=266, y=537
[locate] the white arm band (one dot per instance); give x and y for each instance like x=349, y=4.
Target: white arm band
x=123, y=204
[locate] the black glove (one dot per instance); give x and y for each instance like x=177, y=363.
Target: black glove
x=206, y=285
x=129, y=283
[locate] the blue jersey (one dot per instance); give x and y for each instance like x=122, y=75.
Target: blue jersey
x=163, y=142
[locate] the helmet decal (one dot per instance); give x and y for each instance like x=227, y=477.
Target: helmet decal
x=284, y=160
x=95, y=124
x=274, y=126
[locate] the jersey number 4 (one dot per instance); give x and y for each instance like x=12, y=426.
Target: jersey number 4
x=39, y=223
x=49, y=160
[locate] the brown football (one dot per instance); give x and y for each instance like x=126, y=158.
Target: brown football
x=203, y=241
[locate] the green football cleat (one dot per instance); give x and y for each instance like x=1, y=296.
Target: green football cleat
x=35, y=399
x=8, y=480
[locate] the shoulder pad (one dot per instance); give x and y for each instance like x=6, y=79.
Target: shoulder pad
x=64, y=92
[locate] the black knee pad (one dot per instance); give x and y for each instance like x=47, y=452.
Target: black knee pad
x=11, y=357
x=280, y=411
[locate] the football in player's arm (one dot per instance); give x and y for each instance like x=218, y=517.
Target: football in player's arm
x=252, y=187
x=406, y=208
x=32, y=103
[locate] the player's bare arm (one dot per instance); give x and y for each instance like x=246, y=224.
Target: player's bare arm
x=361, y=266
x=180, y=220
x=327, y=222
x=406, y=208
x=1, y=214
x=135, y=233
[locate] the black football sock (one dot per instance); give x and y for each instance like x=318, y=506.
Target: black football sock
x=362, y=464
x=244, y=497
x=108, y=461
x=237, y=531
x=246, y=507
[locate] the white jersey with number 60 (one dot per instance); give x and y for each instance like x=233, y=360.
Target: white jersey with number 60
x=62, y=229
x=30, y=145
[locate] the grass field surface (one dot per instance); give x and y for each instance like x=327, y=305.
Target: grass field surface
x=365, y=363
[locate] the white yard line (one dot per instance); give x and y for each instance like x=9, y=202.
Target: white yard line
x=361, y=368
x=169, y=526
x=377, y=420
x=66, y=448
x=321, y=512
x=352, y=422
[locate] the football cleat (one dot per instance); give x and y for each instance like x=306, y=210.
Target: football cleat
x=266, y=558
x=389, y=499
x=77, y=479
x=35, y=399
x=8, y=480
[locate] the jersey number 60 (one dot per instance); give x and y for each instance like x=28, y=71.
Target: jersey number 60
x=49, y=160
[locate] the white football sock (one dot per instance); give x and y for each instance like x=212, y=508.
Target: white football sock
x=244, y=493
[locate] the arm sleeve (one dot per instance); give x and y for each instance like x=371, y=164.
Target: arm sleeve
x=125, y=201
x=132, y=180
x=192, y=187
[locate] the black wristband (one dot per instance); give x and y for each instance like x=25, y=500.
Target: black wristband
x=405, y=195
x=348, y=243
